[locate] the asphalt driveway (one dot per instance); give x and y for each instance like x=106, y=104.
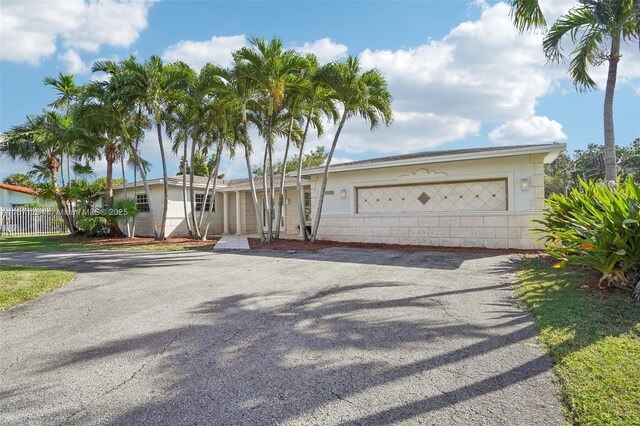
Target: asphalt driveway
x=339, y=336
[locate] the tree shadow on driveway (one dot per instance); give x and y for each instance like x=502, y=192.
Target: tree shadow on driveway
x=349, y=354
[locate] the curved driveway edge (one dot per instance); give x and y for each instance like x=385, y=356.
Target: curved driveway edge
x=339, y=336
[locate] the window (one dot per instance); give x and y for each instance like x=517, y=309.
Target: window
x=307, y=206
x=200, y=198
x=142, y=203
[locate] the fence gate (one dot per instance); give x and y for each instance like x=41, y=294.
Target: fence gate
x=25, y=221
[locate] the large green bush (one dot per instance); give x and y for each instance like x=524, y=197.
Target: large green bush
x=596, y=226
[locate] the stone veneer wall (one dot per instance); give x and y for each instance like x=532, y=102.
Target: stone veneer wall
x=488, y=230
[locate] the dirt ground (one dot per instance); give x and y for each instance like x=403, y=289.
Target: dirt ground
x=298, y=245
x=283, y=244
x=139, y=241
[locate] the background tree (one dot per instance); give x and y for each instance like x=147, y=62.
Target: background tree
x=42, y=140
x=19, y=179
x=591, y=26
x=314, y=158
x=596, y=28
x=200, y=165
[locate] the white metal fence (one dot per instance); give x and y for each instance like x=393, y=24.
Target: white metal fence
x=25, y=221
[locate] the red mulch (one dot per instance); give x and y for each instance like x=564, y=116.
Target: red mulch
x=298, y=245
x=137, y=241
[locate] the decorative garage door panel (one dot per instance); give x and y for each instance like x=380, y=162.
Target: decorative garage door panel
x=485, y=195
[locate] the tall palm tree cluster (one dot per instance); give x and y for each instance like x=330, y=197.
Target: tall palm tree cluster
x=269, y=91
x=596, y=29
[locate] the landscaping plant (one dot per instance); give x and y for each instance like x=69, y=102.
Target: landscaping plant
x=597, y=226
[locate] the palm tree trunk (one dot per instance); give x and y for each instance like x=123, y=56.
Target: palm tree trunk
x=610, y=166
x=124, y=189
x=62, y=169
x=147, y=191
x=282, y=174
x=54, y=164
x=68, y=167
x=135, y=169
x=207, y=186
x=299, y=189
x=184, y=188
x=323, y=187
x=254, y=196
x=272, y=207
x=111, y=158
x=265, y=189
x=213, y=193
x=135, y=194
x=196, y=228
x=165, y=183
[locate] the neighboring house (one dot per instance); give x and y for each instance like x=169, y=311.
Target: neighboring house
x=16, y=196
x=484, y=197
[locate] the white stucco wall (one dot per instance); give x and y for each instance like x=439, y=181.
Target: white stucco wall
x=503, y=229
x=9, y=198
x=175, y=226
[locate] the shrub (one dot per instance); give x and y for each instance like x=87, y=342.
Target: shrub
x=598, y=227
x=94, y=225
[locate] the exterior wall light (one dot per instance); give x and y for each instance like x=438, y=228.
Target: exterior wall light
x=343, y=194
x=524, y=184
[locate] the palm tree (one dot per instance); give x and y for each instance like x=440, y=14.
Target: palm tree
x=125, y=93
x=590, y=26
x=68, y=93
x=527, y=15
x=237, y=95
x=179, y=124
x=155, y=86
x=358, y=93
x=318, y=104
x=275, y=72
x=42, y=139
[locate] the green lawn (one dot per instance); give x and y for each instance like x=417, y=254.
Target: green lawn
x=62, y=243
x=21, y=283
x=40, y=243
x=593, y=339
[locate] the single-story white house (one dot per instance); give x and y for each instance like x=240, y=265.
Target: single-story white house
x=17, y=196
x=480, y=197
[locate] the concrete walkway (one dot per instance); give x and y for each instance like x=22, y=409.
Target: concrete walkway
x=232, y=242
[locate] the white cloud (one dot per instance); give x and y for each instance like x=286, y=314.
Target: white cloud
x=410, y=131
x=29, y=30
x=536, y=129
x=482, y=70
x=325, y=49
x=73, y=62
x=218, y=50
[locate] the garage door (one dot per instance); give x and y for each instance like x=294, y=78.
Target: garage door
x=458, y=196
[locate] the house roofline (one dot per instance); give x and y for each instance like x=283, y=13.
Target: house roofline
x=552, y=152
x=20, y=189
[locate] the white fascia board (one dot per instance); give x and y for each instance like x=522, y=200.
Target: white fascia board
x=552, y=151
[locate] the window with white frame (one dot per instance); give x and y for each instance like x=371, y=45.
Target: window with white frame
x=142, y=202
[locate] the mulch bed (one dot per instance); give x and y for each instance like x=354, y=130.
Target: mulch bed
x=298, y=245
x=137, y=241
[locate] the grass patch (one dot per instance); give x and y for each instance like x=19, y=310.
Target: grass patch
x=38, y=243
x=41, y=243
x=21, y=283
x=593, y=338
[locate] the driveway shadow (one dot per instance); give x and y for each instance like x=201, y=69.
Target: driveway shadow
x=336, y=356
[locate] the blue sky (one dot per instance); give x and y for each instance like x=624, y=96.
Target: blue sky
x=460, y=75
